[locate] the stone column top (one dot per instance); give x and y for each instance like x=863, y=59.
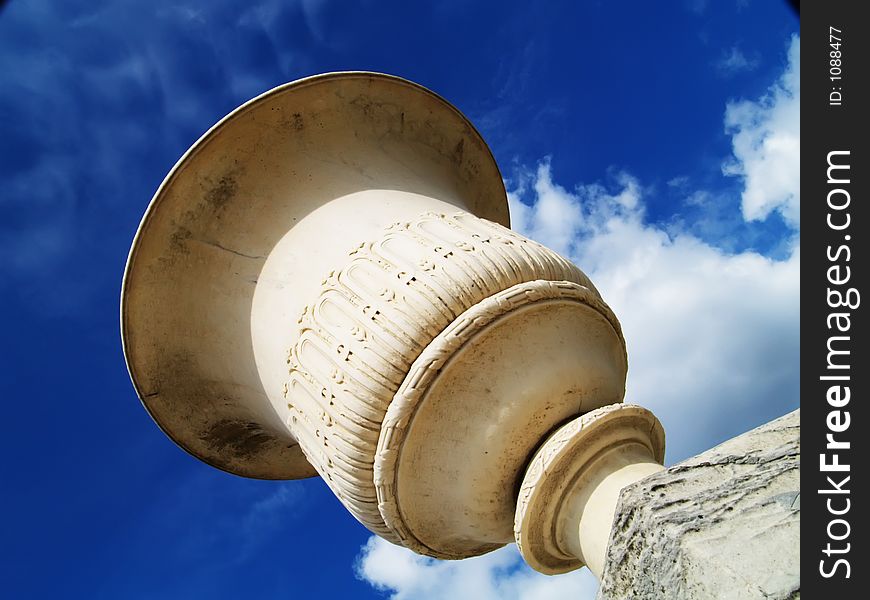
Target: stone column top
x=722, y=524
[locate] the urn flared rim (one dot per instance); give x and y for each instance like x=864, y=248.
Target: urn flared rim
x=187, y=358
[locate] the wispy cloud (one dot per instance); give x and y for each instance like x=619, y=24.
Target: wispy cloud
x=680, y=182
x=90, y=114
x=698, y=198
x=228, y=519
x=263, y=512
x=697, y=6
x=734, y=61
x=765, y=136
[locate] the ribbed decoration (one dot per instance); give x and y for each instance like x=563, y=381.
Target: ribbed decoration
x=374, y=317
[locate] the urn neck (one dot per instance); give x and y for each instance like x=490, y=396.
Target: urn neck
x=586, y=516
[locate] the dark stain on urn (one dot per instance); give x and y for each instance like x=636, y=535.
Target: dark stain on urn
x=458, y=151
x=178, y=239
x=222, y=192
x=238, y=438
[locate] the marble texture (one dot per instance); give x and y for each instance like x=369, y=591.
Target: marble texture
x=722, y=525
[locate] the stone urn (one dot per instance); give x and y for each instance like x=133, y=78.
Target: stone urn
x=326, y=284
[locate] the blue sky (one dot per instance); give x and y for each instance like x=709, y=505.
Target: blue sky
x=653, y=143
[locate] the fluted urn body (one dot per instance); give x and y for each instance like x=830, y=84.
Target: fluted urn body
x=326, y=284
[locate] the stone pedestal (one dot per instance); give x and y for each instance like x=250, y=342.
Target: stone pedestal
x=723, y=524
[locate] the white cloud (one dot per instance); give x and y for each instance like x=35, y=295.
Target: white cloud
x=500, y=575
x=712, y=337
x=766, y=145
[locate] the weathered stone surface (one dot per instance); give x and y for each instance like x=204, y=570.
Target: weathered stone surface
x=723, y=524
x=325, y=284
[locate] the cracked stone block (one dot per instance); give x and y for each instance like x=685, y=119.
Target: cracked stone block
x=723, y=524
